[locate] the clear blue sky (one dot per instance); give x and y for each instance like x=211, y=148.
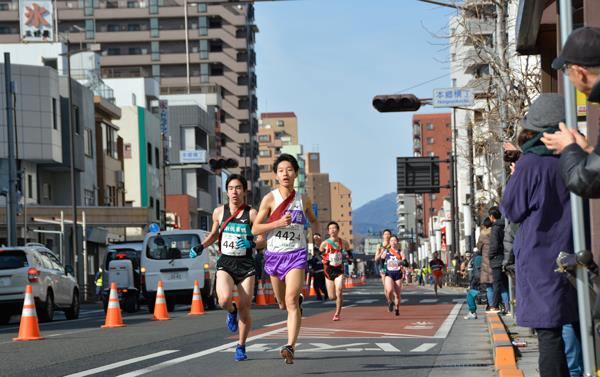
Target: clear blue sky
x=326, y=59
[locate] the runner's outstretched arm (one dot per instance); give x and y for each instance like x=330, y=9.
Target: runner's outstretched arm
x=213, y=236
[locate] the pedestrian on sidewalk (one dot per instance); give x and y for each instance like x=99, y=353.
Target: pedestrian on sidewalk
x=474, y=273
x=579, y=161
x=500, y=281
x=483, y=245
x=536, y=197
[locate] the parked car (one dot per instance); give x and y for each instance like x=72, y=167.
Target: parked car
x=54, y=286
x=165, y=257
x=122, y=266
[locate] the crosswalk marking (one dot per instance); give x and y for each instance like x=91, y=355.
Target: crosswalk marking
x=387, y=347
x=366, y=301
x=424, y=347
x=428, y=301
x=459, y=300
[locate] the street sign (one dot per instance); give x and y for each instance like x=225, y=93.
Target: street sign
x=196, y=156
x=163, y=106
x=452, y=97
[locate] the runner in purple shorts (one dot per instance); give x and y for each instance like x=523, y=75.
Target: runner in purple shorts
x=283, y=217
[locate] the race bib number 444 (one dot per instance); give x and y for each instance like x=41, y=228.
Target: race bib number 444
x=228, y=245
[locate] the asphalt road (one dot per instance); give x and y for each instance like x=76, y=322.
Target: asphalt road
x=429, y=338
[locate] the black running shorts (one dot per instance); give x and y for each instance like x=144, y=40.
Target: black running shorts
x=332, y=273
x=239, y=268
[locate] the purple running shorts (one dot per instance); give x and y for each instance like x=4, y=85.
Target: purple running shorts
x=279, y=264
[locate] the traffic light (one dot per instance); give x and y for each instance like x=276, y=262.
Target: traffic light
x=396, y=102
x=222, y=163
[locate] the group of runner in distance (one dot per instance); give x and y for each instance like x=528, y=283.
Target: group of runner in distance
x=281, y=227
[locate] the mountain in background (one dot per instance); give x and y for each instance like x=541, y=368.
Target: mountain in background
x=375, y=216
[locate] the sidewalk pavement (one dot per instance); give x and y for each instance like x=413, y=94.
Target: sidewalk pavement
x=527, y=357
x=466, y=352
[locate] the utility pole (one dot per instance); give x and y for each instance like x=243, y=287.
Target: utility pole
x=73, y=256
x=12, y=161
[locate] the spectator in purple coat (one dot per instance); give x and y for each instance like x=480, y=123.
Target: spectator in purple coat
x=537, y=198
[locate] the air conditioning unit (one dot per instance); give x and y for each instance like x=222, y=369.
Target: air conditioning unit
x=194, y=49
x=69, y=4
x=144, y=51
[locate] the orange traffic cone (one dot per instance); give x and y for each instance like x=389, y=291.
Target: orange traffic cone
x=160, y=305
x=29, y=328
x=236, y=296
x=312, y=291
x=113, y=313
x=197, y=305
x=261, y=298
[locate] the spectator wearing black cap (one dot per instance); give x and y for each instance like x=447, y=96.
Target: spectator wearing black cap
x=579, y=162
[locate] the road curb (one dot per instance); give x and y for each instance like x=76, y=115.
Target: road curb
x=505, y=359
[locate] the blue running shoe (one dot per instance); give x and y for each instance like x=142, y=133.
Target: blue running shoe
x=232, y=320
x=240, y=353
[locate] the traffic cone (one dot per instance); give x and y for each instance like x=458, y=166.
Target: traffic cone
x=113, y=313
x=312, y=292
x=261, y=298
x=160, y=305
x=197, y=305
x=29, y=328
x=236, y=296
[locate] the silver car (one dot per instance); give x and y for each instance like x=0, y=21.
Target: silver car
x=54, y=286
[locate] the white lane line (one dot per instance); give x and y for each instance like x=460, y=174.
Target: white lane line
x=366, y=301
x=196, y=355
x=387, y=347
x=447, y=325
x=121, y=363
x=424, y=347
x=428, y=301
x=275, y=323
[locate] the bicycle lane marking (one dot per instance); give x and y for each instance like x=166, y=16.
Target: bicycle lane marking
x=196, y=355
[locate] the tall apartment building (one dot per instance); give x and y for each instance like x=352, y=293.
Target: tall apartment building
x=276, y=131
x=432, y=136
x=341, y=210
x=318, y=190
x=406, y=208
x=190, y=47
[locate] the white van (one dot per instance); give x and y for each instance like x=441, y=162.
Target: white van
x=166, y=257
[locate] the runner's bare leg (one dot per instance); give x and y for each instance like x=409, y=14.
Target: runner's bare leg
x=245, y=291
x=225, y=290
x=330, y=285
x=294, y=281
x=279, y=291
x=339, y=301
